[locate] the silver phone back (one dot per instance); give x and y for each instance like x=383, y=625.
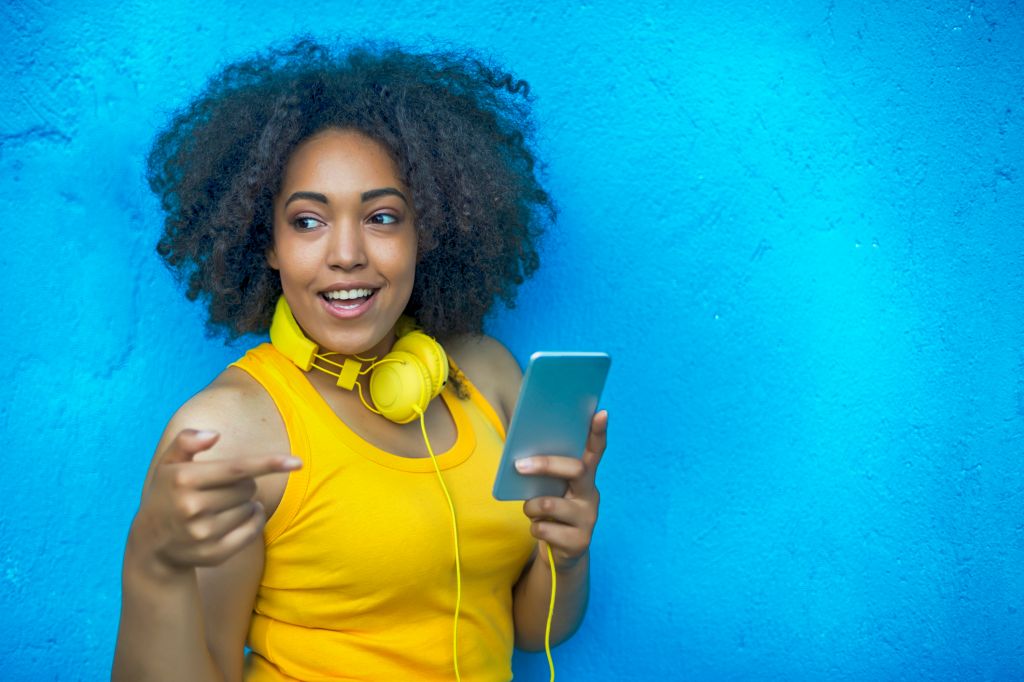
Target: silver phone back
x=557, y=400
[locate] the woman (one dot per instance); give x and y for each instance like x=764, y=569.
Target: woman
x=333, y=196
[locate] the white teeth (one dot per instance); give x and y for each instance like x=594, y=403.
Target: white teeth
x=346, y=294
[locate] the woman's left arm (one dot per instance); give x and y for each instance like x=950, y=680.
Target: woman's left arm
x=566, y=524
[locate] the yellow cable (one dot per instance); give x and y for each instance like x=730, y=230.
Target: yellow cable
x=551, y=615
x=458, y=562
x=458, y=570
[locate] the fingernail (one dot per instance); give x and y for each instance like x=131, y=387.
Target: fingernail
x=292, y=462
x=526, y=465
x=205, y=434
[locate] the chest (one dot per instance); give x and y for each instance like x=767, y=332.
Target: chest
x=402, y=440
x=378, y=528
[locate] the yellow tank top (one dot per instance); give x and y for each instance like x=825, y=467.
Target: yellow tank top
x=359, y=581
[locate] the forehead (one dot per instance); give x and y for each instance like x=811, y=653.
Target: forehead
x=340, y=159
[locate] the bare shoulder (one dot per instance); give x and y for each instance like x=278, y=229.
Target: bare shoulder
x=235, y=406
x=491, y=368
x=242, y=412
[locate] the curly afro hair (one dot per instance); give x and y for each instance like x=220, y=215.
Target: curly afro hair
x=457, y=127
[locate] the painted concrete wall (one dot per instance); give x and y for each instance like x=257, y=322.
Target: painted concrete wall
x=796, y=226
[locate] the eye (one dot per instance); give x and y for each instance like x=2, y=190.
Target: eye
x=305, y=223
x=383, y=219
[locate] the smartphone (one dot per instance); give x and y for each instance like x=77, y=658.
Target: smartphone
x=557, y=400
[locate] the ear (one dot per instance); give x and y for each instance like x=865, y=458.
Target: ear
x=272, y=259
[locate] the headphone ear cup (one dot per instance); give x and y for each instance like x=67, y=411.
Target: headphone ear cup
x=288, y=337
x=430, y=354
x=400, y=386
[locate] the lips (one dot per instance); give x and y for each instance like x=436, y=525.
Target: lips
x=348, y=301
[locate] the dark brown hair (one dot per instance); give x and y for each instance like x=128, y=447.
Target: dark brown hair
x=457, y=127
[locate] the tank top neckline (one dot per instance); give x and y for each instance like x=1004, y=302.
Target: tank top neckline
x=459, y=452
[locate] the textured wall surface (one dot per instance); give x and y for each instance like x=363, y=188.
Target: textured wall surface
x=797, y=227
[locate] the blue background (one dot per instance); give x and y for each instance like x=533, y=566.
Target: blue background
x=797, y=227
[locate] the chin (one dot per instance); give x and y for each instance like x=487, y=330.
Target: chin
x=356, y=346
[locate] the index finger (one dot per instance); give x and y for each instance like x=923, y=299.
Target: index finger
x=223, y=472
x=580, y=472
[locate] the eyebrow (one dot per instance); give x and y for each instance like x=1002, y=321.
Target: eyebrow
x=313, y=196
x=383, y=192
x=364, y=197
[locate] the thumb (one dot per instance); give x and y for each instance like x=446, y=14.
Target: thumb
x=187, y=443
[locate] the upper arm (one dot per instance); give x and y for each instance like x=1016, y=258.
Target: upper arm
x=228, y=590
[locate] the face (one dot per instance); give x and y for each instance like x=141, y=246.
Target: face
x=344, y=242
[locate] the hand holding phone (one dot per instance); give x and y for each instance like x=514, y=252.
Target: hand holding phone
x=557, y=400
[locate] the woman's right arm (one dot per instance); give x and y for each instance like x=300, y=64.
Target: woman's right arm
x=193, y=558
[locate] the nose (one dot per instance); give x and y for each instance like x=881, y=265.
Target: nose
x=346, y=248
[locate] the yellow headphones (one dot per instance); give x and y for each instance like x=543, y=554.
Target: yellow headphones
x=402, y=383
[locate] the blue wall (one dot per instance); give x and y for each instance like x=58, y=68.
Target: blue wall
x=797, y=227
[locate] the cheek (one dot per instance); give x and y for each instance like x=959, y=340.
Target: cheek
x=402, y=256
x=411, y=259
x=292, y=258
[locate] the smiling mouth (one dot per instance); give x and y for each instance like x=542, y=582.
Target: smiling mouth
x=348, y=299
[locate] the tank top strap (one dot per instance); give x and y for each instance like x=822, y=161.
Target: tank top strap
x=478, y=400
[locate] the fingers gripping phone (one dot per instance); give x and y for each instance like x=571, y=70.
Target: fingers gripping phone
x=557, y=400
